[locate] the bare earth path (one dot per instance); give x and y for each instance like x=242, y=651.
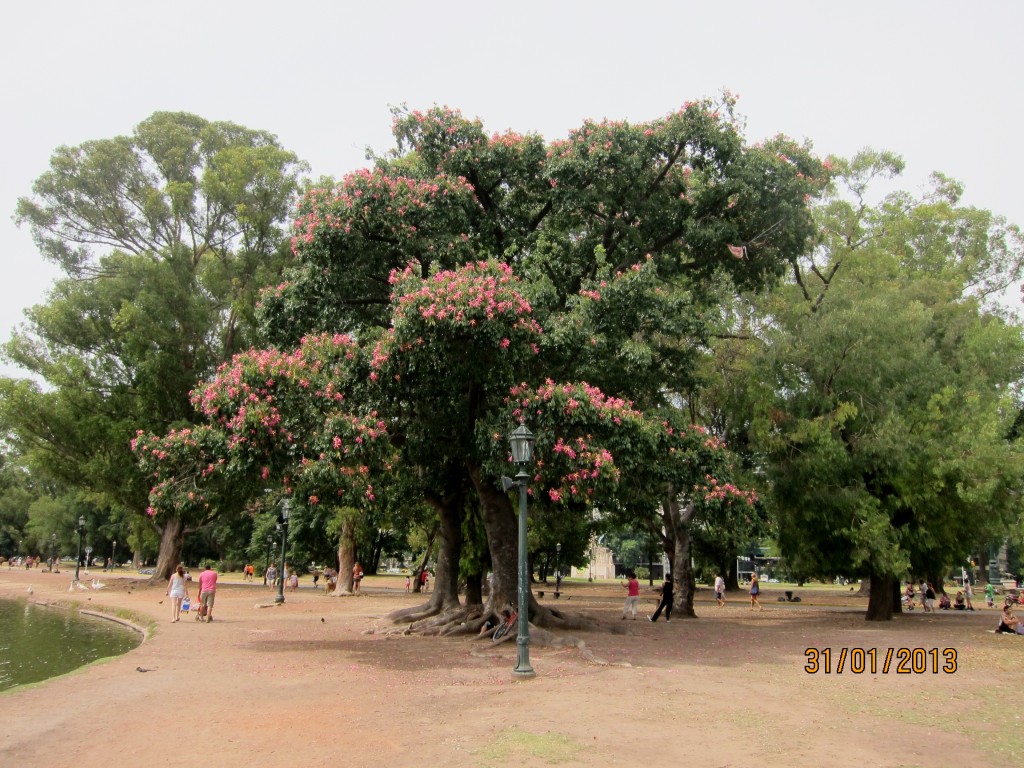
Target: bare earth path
x=303, y=684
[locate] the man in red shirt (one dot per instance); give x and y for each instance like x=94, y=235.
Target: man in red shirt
x=207, y=592
x=632, y=595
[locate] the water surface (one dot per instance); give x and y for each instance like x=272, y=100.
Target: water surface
x=39, y=642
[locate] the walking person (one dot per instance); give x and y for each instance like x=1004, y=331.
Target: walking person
x=632, y=587
x=271, y=576
x=908, y=596
x=990, y=595
x=968, y=594
x=755, y=590
x=929, y=596
x=177, y=590
x=720, y=590
x=666, y=600
x=357, y=577
x=207, y=592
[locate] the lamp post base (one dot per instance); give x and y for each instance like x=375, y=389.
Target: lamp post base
x=525, y=673
x=278, y=599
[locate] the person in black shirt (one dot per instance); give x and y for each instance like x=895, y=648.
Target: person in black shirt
x=666, y=600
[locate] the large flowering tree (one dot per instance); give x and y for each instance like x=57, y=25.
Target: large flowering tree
x=467, y=263
x=274, y=420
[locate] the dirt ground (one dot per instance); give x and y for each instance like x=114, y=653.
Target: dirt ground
x=308, y=683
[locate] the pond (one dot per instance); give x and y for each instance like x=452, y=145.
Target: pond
x=39, y=642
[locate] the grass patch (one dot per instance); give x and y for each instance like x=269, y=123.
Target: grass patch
x=512, y=744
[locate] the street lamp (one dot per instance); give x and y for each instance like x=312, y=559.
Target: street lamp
x=521, y=442
x=78, y=557
x=53, y=553
x=286, y=505
x=113, y=555
x=266, y=567
x=558, y=572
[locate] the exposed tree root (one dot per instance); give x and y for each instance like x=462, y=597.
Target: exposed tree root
x=430, y=619
x=546, y=639
x=434, y=619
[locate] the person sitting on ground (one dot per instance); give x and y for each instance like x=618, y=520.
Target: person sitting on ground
x=958, y=602
x=944, y=602
x=488, y=625
x=1008, y=623
x=908, y=596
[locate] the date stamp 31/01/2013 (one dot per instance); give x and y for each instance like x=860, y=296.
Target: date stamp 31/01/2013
x=872, y=661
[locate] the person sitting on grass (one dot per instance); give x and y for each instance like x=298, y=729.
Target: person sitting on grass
x=1008, y=623
x=958, y=602
x=944, y=602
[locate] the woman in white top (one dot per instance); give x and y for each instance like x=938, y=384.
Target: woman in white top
x=177, y=590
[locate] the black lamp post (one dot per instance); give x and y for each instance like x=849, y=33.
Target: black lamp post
x=53, y=553
x=270, y=540
x=558, y=571
x=113, y=555
x=521, y=442
x=78, y=557
x=285, y=511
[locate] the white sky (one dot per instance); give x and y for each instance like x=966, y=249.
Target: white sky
x=937, y=81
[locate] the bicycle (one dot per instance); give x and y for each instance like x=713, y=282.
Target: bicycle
x=503, y=629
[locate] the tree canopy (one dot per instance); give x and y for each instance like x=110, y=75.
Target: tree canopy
x=164, y=238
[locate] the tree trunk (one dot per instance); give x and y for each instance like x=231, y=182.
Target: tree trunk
x=417, y=584
x=682, y=572
x=446, y=577
x=897, y=597
x=474, y=589
x=880, y=602
x=346, y=558
x=502, y=530
x=172, y=537
x=730, y=572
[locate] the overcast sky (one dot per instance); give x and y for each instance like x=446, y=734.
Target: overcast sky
x=938, y=82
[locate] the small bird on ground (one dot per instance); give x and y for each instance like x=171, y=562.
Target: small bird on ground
x=142, y=669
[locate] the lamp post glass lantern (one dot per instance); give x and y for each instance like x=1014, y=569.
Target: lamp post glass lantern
x=78, y=556
x=521, y=443
x=286, y=505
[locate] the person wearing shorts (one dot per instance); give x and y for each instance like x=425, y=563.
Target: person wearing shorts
x=207, y=592
x=720, y=591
